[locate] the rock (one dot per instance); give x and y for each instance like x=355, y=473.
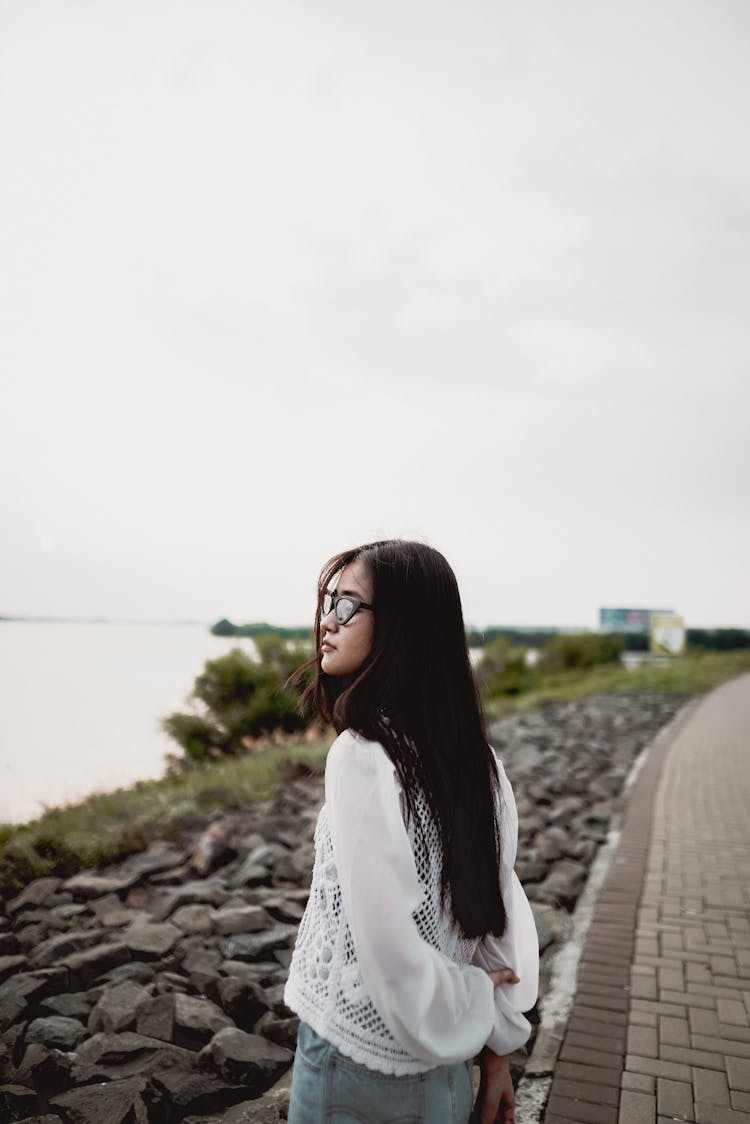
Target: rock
x=89, y=884
x=57, y=1031
x=122, y=1055
x=149, y=939
x=117, y=1007
x=8, y=944
x=30, y=936
x=211, y=850
x=25, y=988
x=137, y=970
x=248, y=1112
x=266, y=854
x=84, y=967
x=9, y=965
x=202, y=965
x=564, y=884
x=247, y=1058
x=160, y=856
x=17, y=1102
x=196, y=1020
x=156, y=1017
x=116, y=918
x=283, y=908
x=246, y=919
x=243, y=1000
x=74, y=1006
x=165, y=902
x=48, y=1118
x=294, y=867
x=246, y=946
x=197, y=1093
x=35, y=894
x=63, y=944
x=44, y=1069
x=193, y=918
x=281, y=1031
x=250, y=874
x=117, y=1102
x=105, y=904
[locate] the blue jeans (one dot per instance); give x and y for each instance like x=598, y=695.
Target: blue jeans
x=329, y=1088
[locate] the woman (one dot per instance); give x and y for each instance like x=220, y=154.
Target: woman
x=417, y=950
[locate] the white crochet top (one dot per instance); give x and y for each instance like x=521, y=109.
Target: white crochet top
x=379, y=970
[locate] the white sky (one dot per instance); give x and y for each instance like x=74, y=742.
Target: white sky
x=276, y=279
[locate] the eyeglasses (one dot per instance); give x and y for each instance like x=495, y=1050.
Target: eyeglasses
x=345, y=605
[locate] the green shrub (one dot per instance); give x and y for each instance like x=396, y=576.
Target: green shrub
x=502, y=670
x=238, y=699
x=579, y=651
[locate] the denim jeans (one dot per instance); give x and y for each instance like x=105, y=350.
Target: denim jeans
x=329, y=1088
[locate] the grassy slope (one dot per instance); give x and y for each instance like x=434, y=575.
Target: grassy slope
x=107, y=827
x=693, y=674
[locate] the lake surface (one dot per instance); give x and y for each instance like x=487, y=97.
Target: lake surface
x=80, y=705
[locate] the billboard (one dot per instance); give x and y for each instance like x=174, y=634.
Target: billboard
x=667, y=634
x=628, y=620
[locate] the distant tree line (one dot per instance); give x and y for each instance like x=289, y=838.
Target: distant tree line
x=226, y=628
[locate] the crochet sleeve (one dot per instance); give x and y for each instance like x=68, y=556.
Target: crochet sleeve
x=440, y=1012
x=518, y=948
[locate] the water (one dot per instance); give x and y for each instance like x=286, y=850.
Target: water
x=80, y=705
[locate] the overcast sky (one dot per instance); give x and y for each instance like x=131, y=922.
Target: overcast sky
x=279, y=278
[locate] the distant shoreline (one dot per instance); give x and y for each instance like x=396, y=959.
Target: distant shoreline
x=106, y=620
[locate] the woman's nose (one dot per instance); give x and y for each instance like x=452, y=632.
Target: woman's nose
x=329, y=622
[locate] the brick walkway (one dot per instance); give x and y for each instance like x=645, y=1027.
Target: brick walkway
x=660, y=1029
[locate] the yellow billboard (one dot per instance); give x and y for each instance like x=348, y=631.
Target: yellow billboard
x=667, y=634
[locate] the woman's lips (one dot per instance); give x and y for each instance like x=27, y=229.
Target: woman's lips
x=326, y=647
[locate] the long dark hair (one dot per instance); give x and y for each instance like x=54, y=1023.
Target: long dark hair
x=416, y=695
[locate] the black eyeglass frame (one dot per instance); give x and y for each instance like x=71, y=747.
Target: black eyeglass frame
x=335, y=598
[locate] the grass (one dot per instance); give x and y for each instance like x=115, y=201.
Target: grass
x=692, y=674
x=106, y=827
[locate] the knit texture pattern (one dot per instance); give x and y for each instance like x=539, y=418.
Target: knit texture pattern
x=324, y=986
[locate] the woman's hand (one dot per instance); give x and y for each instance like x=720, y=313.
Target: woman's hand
x=497, y=1096
x=503, y=975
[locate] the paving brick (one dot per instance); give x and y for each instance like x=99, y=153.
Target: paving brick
x=707, y=1059
x=583, y=1111
x=586, y=1056
x=738, y=1074
x=689, y=998
x=599, y=1015
x=575, y=1071
x=610, y=1045
x=643, y=1018
x=642, y=1040
x=710, y=1086
x=657, y=1067
x=724, y=965
x=741, y=1101
x=586, y=1091
x=670, y=979
x=674, y=1032
x=643, y=987
x=637, y=1108
x=674, y=1098
x=710, y=1114
x=672, y=1009
x=702, y=1021
x=732, y=1011
x=640, y=1082
x=736, y=1048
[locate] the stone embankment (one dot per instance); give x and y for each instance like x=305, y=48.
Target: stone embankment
x=151, y=993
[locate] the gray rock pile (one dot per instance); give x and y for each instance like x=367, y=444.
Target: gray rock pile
x=151, y=993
